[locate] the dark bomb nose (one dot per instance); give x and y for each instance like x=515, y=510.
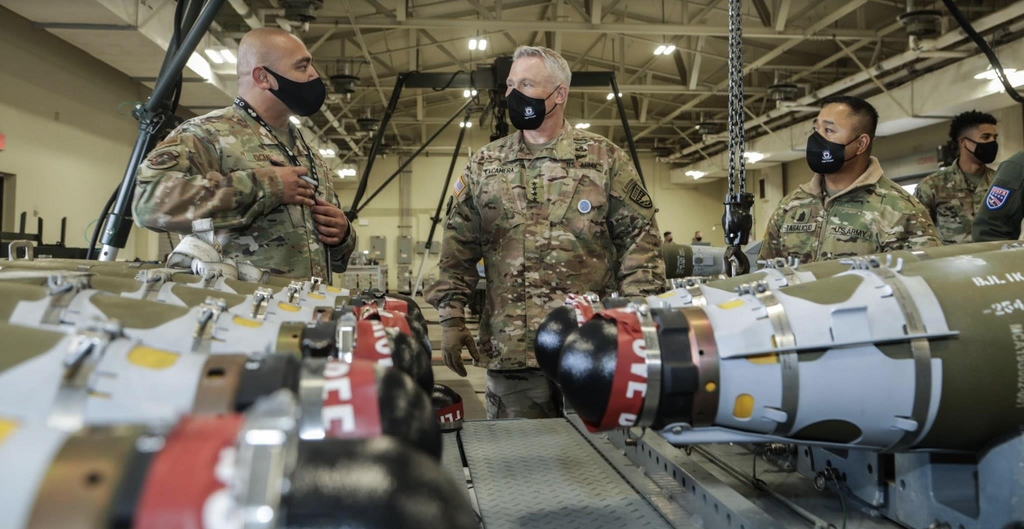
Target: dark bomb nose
x=551, y=337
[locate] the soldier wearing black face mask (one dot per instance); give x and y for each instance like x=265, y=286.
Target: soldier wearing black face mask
x=849, y=207
x=955, y=194
x=249, y=169
x=552, y=210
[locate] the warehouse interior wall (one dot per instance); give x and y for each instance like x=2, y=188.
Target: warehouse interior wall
x=66, y=116
x=67, y=141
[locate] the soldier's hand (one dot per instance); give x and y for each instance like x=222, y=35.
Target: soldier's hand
x=296, y=190
x=455, y=336
x=331, y=223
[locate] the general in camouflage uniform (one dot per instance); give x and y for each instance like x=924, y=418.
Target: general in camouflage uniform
x=572, y=218
x=873, y=215
x=220, y=166
x=952, y=199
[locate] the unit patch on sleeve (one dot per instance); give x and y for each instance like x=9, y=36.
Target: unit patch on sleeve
x=636, y=192
x=163, y=160
x=996, y=197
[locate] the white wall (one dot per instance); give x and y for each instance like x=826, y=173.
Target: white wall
x=66, y=141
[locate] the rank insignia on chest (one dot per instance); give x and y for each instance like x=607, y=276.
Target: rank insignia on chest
x=534, y=189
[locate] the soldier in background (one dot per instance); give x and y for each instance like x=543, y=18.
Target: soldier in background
x=553, y=210
x=270, y=196
x=849, y=207
x=955, y=194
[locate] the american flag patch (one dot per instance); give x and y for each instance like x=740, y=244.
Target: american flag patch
x=459, y=186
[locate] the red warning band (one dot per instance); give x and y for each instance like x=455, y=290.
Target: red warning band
x=451, y=413
x=372, y=343
x=389, y=319
x=582, y=306
x=351, y=409
x=186, y=486
x=396, y=305
x=629, y=385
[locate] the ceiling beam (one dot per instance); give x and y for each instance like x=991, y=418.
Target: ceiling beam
x=615, y=28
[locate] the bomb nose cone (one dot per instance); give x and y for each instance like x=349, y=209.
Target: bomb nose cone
x=374, y=484
x=448, y=408
x=411, y=360
x=551, y=336
x=587, y=367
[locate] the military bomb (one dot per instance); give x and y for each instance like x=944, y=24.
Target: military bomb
x=874, y=358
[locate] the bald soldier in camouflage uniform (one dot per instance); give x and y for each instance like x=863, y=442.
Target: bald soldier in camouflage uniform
x=565, y=214
x=955, y=194
x=250, y=170
x=849, y=207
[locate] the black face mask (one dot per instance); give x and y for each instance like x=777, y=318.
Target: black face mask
x=525, y=112
x=305, y=99
x=985, y=152
x=826, y=157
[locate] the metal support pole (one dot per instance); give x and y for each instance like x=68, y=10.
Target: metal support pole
x=625, y=126
x=119, y=221
x=436, y=219
x=410, y=159
x=353, y=212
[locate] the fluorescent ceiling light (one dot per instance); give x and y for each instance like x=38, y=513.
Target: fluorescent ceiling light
x=214, y=56
x=295, y=120
x=696, y=175
x=990, y=74
x=473, y=44
x=228, y=56
x=659, y=50
x=753, y=157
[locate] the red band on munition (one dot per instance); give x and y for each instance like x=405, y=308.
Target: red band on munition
x=582, y=306
x=396, y=305
x=350, y=406
x=389, y=319
x=452, y=413
x=629, y=385
x=372, y=343
x=186, y=486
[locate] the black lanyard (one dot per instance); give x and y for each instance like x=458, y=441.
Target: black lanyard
x=245, y=107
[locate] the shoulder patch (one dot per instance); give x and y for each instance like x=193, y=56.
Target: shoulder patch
x=636, y=192
x=459, y=187
x=162, y=160
x=996, y=197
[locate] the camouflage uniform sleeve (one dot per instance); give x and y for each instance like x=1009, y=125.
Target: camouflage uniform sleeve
x=461, y=249
x=634, y=231
x=772, y=235
x=925, y=193
x=914, y=229
x=181, y=180
x=341, y=253
x=1003, y=222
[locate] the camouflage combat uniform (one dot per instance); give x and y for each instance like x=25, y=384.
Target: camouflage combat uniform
x=873, y=215
x=1002, y=216
x=220, y=166
x=953, y=199
x=572, y=218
